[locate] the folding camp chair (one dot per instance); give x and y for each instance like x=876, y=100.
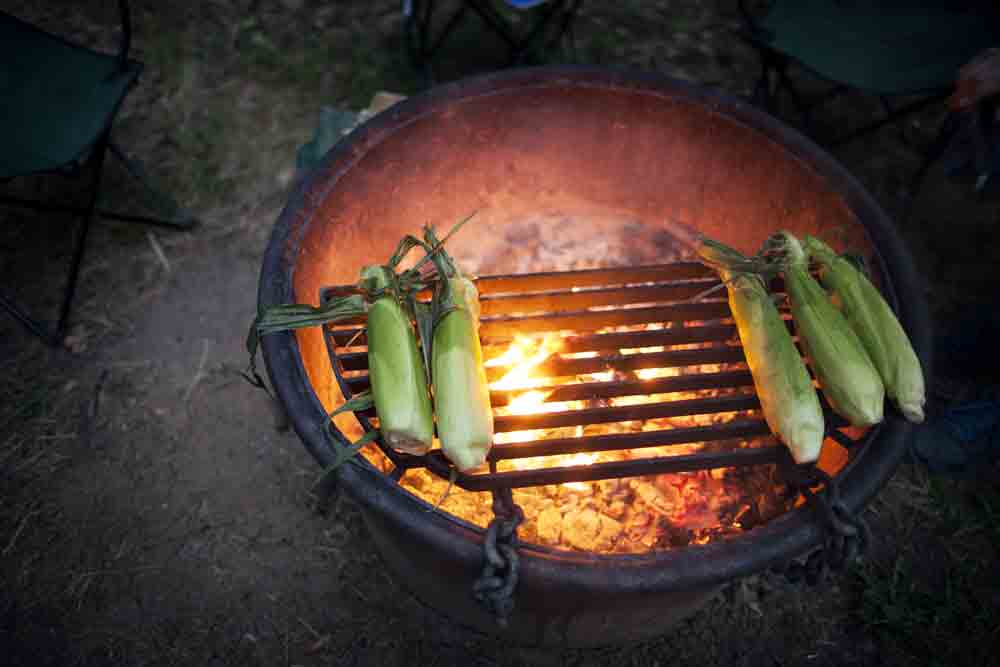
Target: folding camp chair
x=552, y=20
x=885, y=48
x=59, y=102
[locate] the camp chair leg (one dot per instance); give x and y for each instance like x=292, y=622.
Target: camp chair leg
x=944, y=136
x=773, y=80
x=80, y=238
x=418, y=35
x=417, y=28
x=898, y=114
x=492, y=18
x=55, y=336
x=524, y=48
x=762, y=94
x=985, y=151
x=567, y=29
x=793, y=93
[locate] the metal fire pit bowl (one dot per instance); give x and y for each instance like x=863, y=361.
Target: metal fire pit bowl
x=588, y=144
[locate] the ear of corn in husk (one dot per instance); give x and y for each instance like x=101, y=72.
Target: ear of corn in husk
x=880, y=332
x=461, y=391
x=396, y=368
x=842, y=366
x=787, y=397
x=399, y=382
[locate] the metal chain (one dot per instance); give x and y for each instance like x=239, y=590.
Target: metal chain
x=848, y=534
x=494, y=589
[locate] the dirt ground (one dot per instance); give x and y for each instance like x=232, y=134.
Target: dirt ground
x=151, y=512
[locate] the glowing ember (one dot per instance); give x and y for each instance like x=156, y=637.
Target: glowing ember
x=581, y=459
x=612, y=515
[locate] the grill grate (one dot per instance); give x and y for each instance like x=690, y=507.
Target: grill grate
x=585, y=303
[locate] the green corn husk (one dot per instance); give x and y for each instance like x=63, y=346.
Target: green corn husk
x=396, y=369
x=787, y=396
x=843, y=368
x=461, y=390
x=876, y=325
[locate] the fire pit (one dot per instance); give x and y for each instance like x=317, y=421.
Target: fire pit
x=627, y=426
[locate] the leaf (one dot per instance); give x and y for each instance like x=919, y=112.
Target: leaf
x=345, y=454
x=406, y=244
x=360, y=401
x=435, y=247
x=298, y=316
x=251, y=375
x=295, y=316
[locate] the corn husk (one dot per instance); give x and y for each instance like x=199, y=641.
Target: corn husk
x=844, y=370
x=461, y=391
x=876, y=325
x=788, y=398
x=396, y=370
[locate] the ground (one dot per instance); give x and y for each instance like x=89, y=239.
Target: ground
x=153, y=513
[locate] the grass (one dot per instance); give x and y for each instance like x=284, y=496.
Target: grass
x=917, y=606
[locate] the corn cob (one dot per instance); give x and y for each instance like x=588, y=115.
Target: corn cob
x=461, y=392
x=396, y=368
x=843, y=368
x=787, y=397
x=877, y=327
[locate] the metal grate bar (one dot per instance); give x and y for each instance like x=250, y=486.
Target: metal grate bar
x=736, y=429
x=585, y=391
x=673, y=333
x=549, y=280
x=642, y=411
x=555, y=280
x=591, y=391
x=554, y=300
x=591, y=320
x=562, y=366
x=611, y=469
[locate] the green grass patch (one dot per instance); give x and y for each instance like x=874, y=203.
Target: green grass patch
x=920, y=616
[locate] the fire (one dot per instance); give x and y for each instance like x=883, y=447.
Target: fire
x=620, y=515
x=524, y=355
x=579, y=459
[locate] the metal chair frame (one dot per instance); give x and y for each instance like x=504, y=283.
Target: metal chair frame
x=774, y=80
x=94, y=163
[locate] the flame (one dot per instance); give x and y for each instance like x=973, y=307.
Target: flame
x=579, y=459
x=653, y=373
x=524, y=355
x=689, y=500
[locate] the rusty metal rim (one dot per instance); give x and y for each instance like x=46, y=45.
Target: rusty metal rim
x=662, y=571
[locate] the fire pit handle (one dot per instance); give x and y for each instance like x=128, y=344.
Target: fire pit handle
x=848, y=534
x=494, y=589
